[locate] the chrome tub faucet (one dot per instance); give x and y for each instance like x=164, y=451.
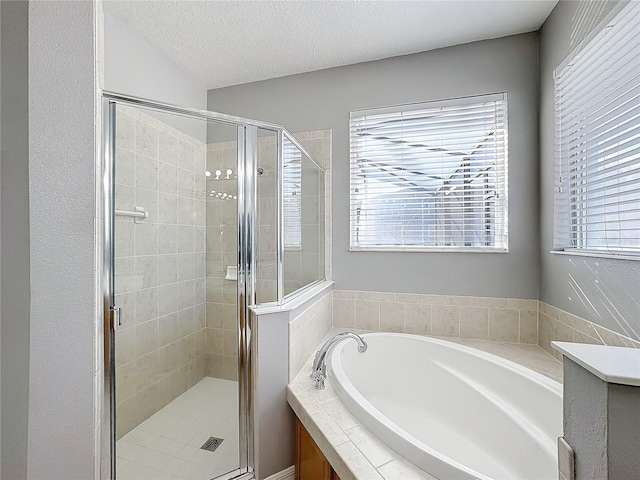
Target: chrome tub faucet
x=319, y=369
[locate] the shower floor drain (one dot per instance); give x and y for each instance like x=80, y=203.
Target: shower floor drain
x=211, y=444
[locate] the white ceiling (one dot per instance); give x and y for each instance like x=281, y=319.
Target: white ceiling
x=222, y=43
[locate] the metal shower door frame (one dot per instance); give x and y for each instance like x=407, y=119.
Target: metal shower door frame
x=246, y=241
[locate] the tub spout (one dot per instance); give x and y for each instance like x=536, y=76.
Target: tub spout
x=319, y=370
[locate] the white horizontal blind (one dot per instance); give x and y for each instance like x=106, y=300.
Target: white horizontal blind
x=597, y=99
x=430, y=176
x=292, y=196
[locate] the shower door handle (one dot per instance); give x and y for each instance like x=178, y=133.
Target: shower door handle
x=116, y=317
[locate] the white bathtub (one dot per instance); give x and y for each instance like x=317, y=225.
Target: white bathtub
x=456, y=412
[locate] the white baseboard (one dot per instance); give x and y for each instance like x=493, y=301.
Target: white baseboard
x=286, y=474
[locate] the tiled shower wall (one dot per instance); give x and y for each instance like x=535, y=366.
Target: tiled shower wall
x=160, y=265
x=222, y=252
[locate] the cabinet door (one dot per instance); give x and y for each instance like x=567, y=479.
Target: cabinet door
x=310, y=462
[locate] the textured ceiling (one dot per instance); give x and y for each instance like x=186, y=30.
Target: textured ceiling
x=223, y=43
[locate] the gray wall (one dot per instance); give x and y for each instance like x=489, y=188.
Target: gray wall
x=133, y=67
x=14, y=251
x=601, y=290
x=65, y=348
x=323, y=99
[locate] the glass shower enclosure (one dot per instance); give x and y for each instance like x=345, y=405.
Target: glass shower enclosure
x=206, y=215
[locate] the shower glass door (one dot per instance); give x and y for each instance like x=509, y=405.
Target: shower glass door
x=177, y=399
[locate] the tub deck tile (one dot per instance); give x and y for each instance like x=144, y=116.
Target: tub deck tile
x=359, y=466
x=371, y=447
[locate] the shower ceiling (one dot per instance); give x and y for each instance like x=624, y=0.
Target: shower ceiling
x=222, y=43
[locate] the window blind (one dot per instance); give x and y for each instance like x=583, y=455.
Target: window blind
x=292, y=196
x=430, y=176
x=597, y=120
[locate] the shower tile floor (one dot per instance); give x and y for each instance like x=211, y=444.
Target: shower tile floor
x=166, y=446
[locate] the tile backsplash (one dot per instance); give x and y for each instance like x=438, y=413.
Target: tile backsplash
x=485, y=318
x=558, y=325
x=498, y=319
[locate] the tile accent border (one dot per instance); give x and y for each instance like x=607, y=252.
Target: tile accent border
x=481, y=318
x=557, y=325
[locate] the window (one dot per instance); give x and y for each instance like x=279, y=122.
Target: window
x=292, y=196
x=430, y=176
x=597, y=123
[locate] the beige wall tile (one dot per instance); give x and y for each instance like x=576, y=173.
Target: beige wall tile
x=367, y=315
x=146, y=337
x=167, y=299
x=214, y=315
x=167, y=359
x=127, y=418
x=392, y=317
x=125, y=131
x=522, y=304
x=474, y=322
x=150, y=400
x=561, y=332
x=185, y=350
x=344, y=313
x=504, y=324
x=545, y=331
x=147, y=138
x=167, y=269
x=462, y=301
x=343, y=294
x=147, y=368
x=214, y=339
x=126, y=375
x=409, y=298
x=580, y=337
x=445, y=320
x=492, y=302
x=126, y=345
x=528, y=326
x=417, y=318
x=146, y=305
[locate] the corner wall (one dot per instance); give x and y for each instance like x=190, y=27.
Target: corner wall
x=66, y=342
x=604, y=291
x=14, y=251
x=323, y=99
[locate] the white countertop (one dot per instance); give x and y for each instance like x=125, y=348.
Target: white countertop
x=612, y=364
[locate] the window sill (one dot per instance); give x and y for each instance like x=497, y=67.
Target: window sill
x=595, y=254
x=429, y=250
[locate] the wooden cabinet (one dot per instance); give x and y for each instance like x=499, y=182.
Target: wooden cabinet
x=310, y=462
